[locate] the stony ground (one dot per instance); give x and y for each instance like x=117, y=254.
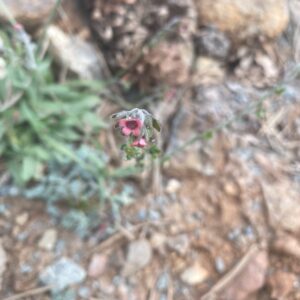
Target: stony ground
x=220, y=219
x=225, y=224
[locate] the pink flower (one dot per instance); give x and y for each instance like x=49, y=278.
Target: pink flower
x=141, y=143
x=130, y=126
x=18, y=26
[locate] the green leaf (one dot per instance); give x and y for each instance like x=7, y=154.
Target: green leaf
x=32, y=118
x=92, y=85
x=207, y=135
x=279, y=90
x=154, y=151
x=156, y=124
x=93, y=120
x=39, y=152
x=28, y=169
x=63, y=149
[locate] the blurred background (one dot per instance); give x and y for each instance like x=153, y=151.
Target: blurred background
x=215, y=215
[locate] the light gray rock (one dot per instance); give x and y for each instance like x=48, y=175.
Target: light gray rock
x=62, y=274
x=27, y=12
x=48, y=240
x=139, y=256
x=194, y=275
x=74, y=54
x=97, y=265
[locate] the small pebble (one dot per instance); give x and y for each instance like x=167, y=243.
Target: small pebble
x=179, y=243
x=84, y=292
x=48, y=240
x=139, y=255
x=173, y=186
x=13, y=191
x=154, y=215
x=22, y=218
x=142, y=214
x=234, y=234
x=60, y=247
x=194, y=275
x=3, y=209
x=117, y=280
x=158, y=240
x=249, y=232
x=22, y=236
x=219, y=264
x=162, y=282
x=25, y=269
x=62, y=274
x=97, y=265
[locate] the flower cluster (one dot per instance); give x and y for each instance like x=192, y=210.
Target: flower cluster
x=137, y=126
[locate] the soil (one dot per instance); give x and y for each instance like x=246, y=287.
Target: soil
x=219, y=220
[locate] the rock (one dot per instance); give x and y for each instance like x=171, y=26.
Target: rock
x=247, y=277
x=287, y=244
x=194, y=275
x=154, y=215
x=168, y=63
x=250, y=279
x=75, y=54
x=139, y=255
x=3, y=262
x=84, y=292
x=220, y=265
x=158, y=241
x=231, y=189
x=244, y=20
x=163, y=281
x=212, y=43
x=281, y=283
x=48, y=240
x=28, y=12
x=136, y=27
x=282, y=200
x=180, y=244
x=62, y=274
x=22, y=218
x=173, y=186
x=208, y=71
x=97, y=265
x=4, y=209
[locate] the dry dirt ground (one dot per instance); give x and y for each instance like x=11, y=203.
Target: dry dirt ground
x=225, y=225
x=220, y=219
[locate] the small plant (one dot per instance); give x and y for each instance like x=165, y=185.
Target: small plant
x=48, y=138
x=137, y=126
x=40, y=120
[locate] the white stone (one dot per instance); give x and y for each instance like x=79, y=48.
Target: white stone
x=139, y=256
x=173, y=186
x=194, y=274
x=48, y=240
x=22, y=218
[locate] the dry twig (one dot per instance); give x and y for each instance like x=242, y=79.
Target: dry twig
x=31, y=292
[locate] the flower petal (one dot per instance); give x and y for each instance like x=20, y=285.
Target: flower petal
x=141, y=143
x=122, y=122
x=139, y=123
x=136, y=132
x=126, y=131
x=135, y=143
